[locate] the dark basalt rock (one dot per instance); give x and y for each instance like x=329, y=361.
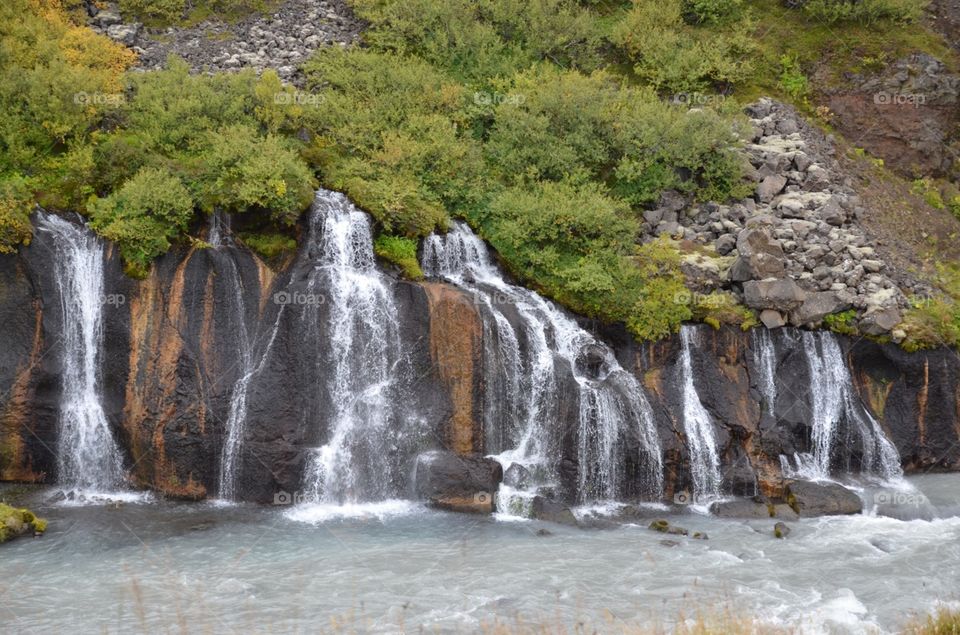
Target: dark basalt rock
x=552, y=511
x=458, y=483
x=822, y=499
x=516, y=476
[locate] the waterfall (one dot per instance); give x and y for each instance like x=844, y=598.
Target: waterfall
x=523, y=386
x=249, y=361
x=363, y=333
x=698, y=429
x=765, y=362
x=841, y=424
x=88, y=457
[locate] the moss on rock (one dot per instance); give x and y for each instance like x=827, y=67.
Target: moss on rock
x=16, y=522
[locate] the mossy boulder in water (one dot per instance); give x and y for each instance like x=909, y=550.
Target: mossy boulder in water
x=19, y=522
x=822, y=499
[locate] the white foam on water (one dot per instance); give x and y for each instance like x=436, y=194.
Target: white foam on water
x=316, y=513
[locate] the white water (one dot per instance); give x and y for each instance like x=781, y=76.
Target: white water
x=765, y=361
x=88, y=458
x=526, y=382
x=698, y=429
x=250, y=362
x=840, y=419
x=402, y=568
x=363, y=331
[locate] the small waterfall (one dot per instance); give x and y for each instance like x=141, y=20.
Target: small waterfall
x=698, y=429
x=249, y=361
x=362, y=328
x=841, y=424
x=88, y=457
x=765, y=362
x=521, y=375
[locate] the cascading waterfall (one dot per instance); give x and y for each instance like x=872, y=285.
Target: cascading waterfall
x=525, y=380
x=363, y=333
x=698, y=429
x=765, y=362
x=88, y=457
x=249, y=361
x=840, y=418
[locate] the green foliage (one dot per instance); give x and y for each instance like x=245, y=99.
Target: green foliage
x=711, y=11
x=864, y=11
x=168, y=12
x=954, y=206
x=663, y=301
x=17, y=522
x=401, y=252
x=479, y=39
x=935, y=321
x=16, y=203
x=942, y=622
x=927, y=189
x=844, y=323
x=673, y=56
x=269, y=246
x=721, y=308
x=143, y=216
x=792, y=79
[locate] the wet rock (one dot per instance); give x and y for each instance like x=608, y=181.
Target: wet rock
x=669, y=543
x=741, y=508
x=458, y=483
x=781, y=530
x=552, y=511
x=664, y=527
x=516, y=476
x=821, y=499
x=544, y=532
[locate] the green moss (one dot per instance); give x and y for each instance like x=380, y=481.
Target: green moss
x=269, y=246
x=844, y=323
x=721, y=308
x=401, y=252
x=16, y=522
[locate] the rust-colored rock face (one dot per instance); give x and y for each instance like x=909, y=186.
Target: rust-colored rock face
x=455, y=346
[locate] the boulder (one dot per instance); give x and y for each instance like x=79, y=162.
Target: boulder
x=551, y=511
x=880, y=321
x=772, y=319
x=817, y=306
x=741, y=508
x=780, y=295
x=761, y=256
x=770, y=186
x=822, y=499
x=516, y=476
x=458, y=483
x=781, y=530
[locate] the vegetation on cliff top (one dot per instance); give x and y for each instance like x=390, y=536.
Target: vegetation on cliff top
x=542, y=124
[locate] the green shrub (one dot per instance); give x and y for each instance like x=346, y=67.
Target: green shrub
x=711, y=11
x=663, y=300
x=477, y=40
x=844, y=323
x=401, y=252
x=792, y=79
x=674, y=57
x=143, y=216
x=155, y=11
x=721, y=308
x=16, y=203
x=864, y=11
x=269, y=246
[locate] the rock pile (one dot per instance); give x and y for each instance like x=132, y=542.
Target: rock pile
x=282, y=40
x=794, y=250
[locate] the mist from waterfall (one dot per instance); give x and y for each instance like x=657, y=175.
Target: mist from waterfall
x=522, y=363
x=698, y=428
x=841, y=426
x=88, y=457
x=362, y=330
